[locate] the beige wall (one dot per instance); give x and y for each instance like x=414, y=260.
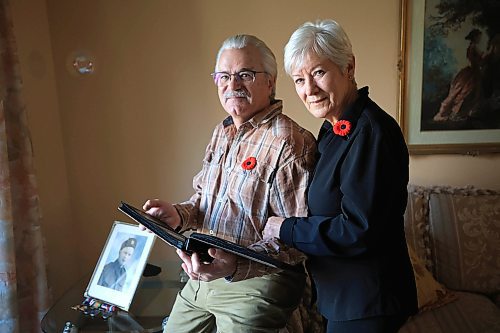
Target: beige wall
x=138, y=126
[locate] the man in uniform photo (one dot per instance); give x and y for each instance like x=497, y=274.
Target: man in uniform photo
x=114, y=273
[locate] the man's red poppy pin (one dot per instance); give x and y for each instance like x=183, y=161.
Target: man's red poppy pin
x=249, y=163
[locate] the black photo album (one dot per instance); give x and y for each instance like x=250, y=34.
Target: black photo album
x=198, y=242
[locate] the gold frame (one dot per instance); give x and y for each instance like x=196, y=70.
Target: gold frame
x=409, y=22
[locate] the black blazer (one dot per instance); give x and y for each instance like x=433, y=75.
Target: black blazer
x=354, y=234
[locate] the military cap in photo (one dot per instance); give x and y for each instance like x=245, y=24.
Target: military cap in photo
x=131, y=242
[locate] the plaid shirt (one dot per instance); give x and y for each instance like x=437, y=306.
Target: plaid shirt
x=233, y=203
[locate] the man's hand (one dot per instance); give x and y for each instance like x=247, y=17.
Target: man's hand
x=272, y=228
x=224, y=264
x=163, y=211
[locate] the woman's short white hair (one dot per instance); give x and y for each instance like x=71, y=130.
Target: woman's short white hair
x=325, y=38
x=268, y=58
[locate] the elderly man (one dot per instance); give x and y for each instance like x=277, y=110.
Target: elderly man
x=114, y=273
x=258, y=164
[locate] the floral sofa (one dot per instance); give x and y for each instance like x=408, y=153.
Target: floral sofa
x=454, y=242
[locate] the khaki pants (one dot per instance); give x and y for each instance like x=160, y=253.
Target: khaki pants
x=257, y=305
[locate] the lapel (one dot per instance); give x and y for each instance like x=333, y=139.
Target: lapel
x=334, y=147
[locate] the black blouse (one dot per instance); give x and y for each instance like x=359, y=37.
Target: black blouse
x=354, y=234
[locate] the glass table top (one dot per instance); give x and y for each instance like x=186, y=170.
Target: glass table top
x=152, y=302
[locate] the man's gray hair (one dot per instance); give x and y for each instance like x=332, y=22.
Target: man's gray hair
x=268, y=58
x=325, y=38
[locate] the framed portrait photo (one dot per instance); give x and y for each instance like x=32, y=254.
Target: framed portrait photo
x=120, y=266
x=450, y=76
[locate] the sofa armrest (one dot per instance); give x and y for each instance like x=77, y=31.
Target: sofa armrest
x=417, y=226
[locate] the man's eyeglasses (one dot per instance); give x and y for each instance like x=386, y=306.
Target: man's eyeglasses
x=222, y=79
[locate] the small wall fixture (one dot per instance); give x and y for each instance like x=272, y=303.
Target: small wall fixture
x=83, y=64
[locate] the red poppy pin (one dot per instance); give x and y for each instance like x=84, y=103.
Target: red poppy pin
x=249, y=163
x=342, y=127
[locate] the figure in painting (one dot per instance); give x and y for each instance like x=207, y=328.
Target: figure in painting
x=465, y=88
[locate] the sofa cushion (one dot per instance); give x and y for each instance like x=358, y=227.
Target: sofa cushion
x=430, y=293
x=469, y=313
x=465, y=238
x=417, y=223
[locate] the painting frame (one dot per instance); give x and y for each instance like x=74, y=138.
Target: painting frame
x=466, y=142
x=123, y=240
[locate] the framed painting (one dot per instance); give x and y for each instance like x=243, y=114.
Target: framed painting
x=450, y=76
x=120, y=266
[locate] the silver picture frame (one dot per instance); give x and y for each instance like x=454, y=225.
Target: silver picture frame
x=120, y=265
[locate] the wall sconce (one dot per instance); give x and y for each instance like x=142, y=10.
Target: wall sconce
x=80, y=63
x=83, y=64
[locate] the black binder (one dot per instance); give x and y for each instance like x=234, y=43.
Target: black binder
x=198, y=242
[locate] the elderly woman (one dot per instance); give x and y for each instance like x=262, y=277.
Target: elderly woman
x=354, y=234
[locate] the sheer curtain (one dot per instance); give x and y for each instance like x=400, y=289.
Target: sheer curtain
x=23, y=280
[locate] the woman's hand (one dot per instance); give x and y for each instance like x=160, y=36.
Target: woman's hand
x=224, y=264
x=163, y=211
x=272, y=228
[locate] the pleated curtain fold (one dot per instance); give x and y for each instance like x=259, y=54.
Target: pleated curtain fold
x=24, y=293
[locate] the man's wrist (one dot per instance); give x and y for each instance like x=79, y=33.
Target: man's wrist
x=229, y=278
x=179, y=221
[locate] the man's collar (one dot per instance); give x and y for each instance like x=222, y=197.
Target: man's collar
x=262, y=116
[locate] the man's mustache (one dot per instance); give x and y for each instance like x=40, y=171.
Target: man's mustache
x=236, y=93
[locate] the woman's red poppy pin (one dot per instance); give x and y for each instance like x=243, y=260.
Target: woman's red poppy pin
x=342, y=127
x=249, y=163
